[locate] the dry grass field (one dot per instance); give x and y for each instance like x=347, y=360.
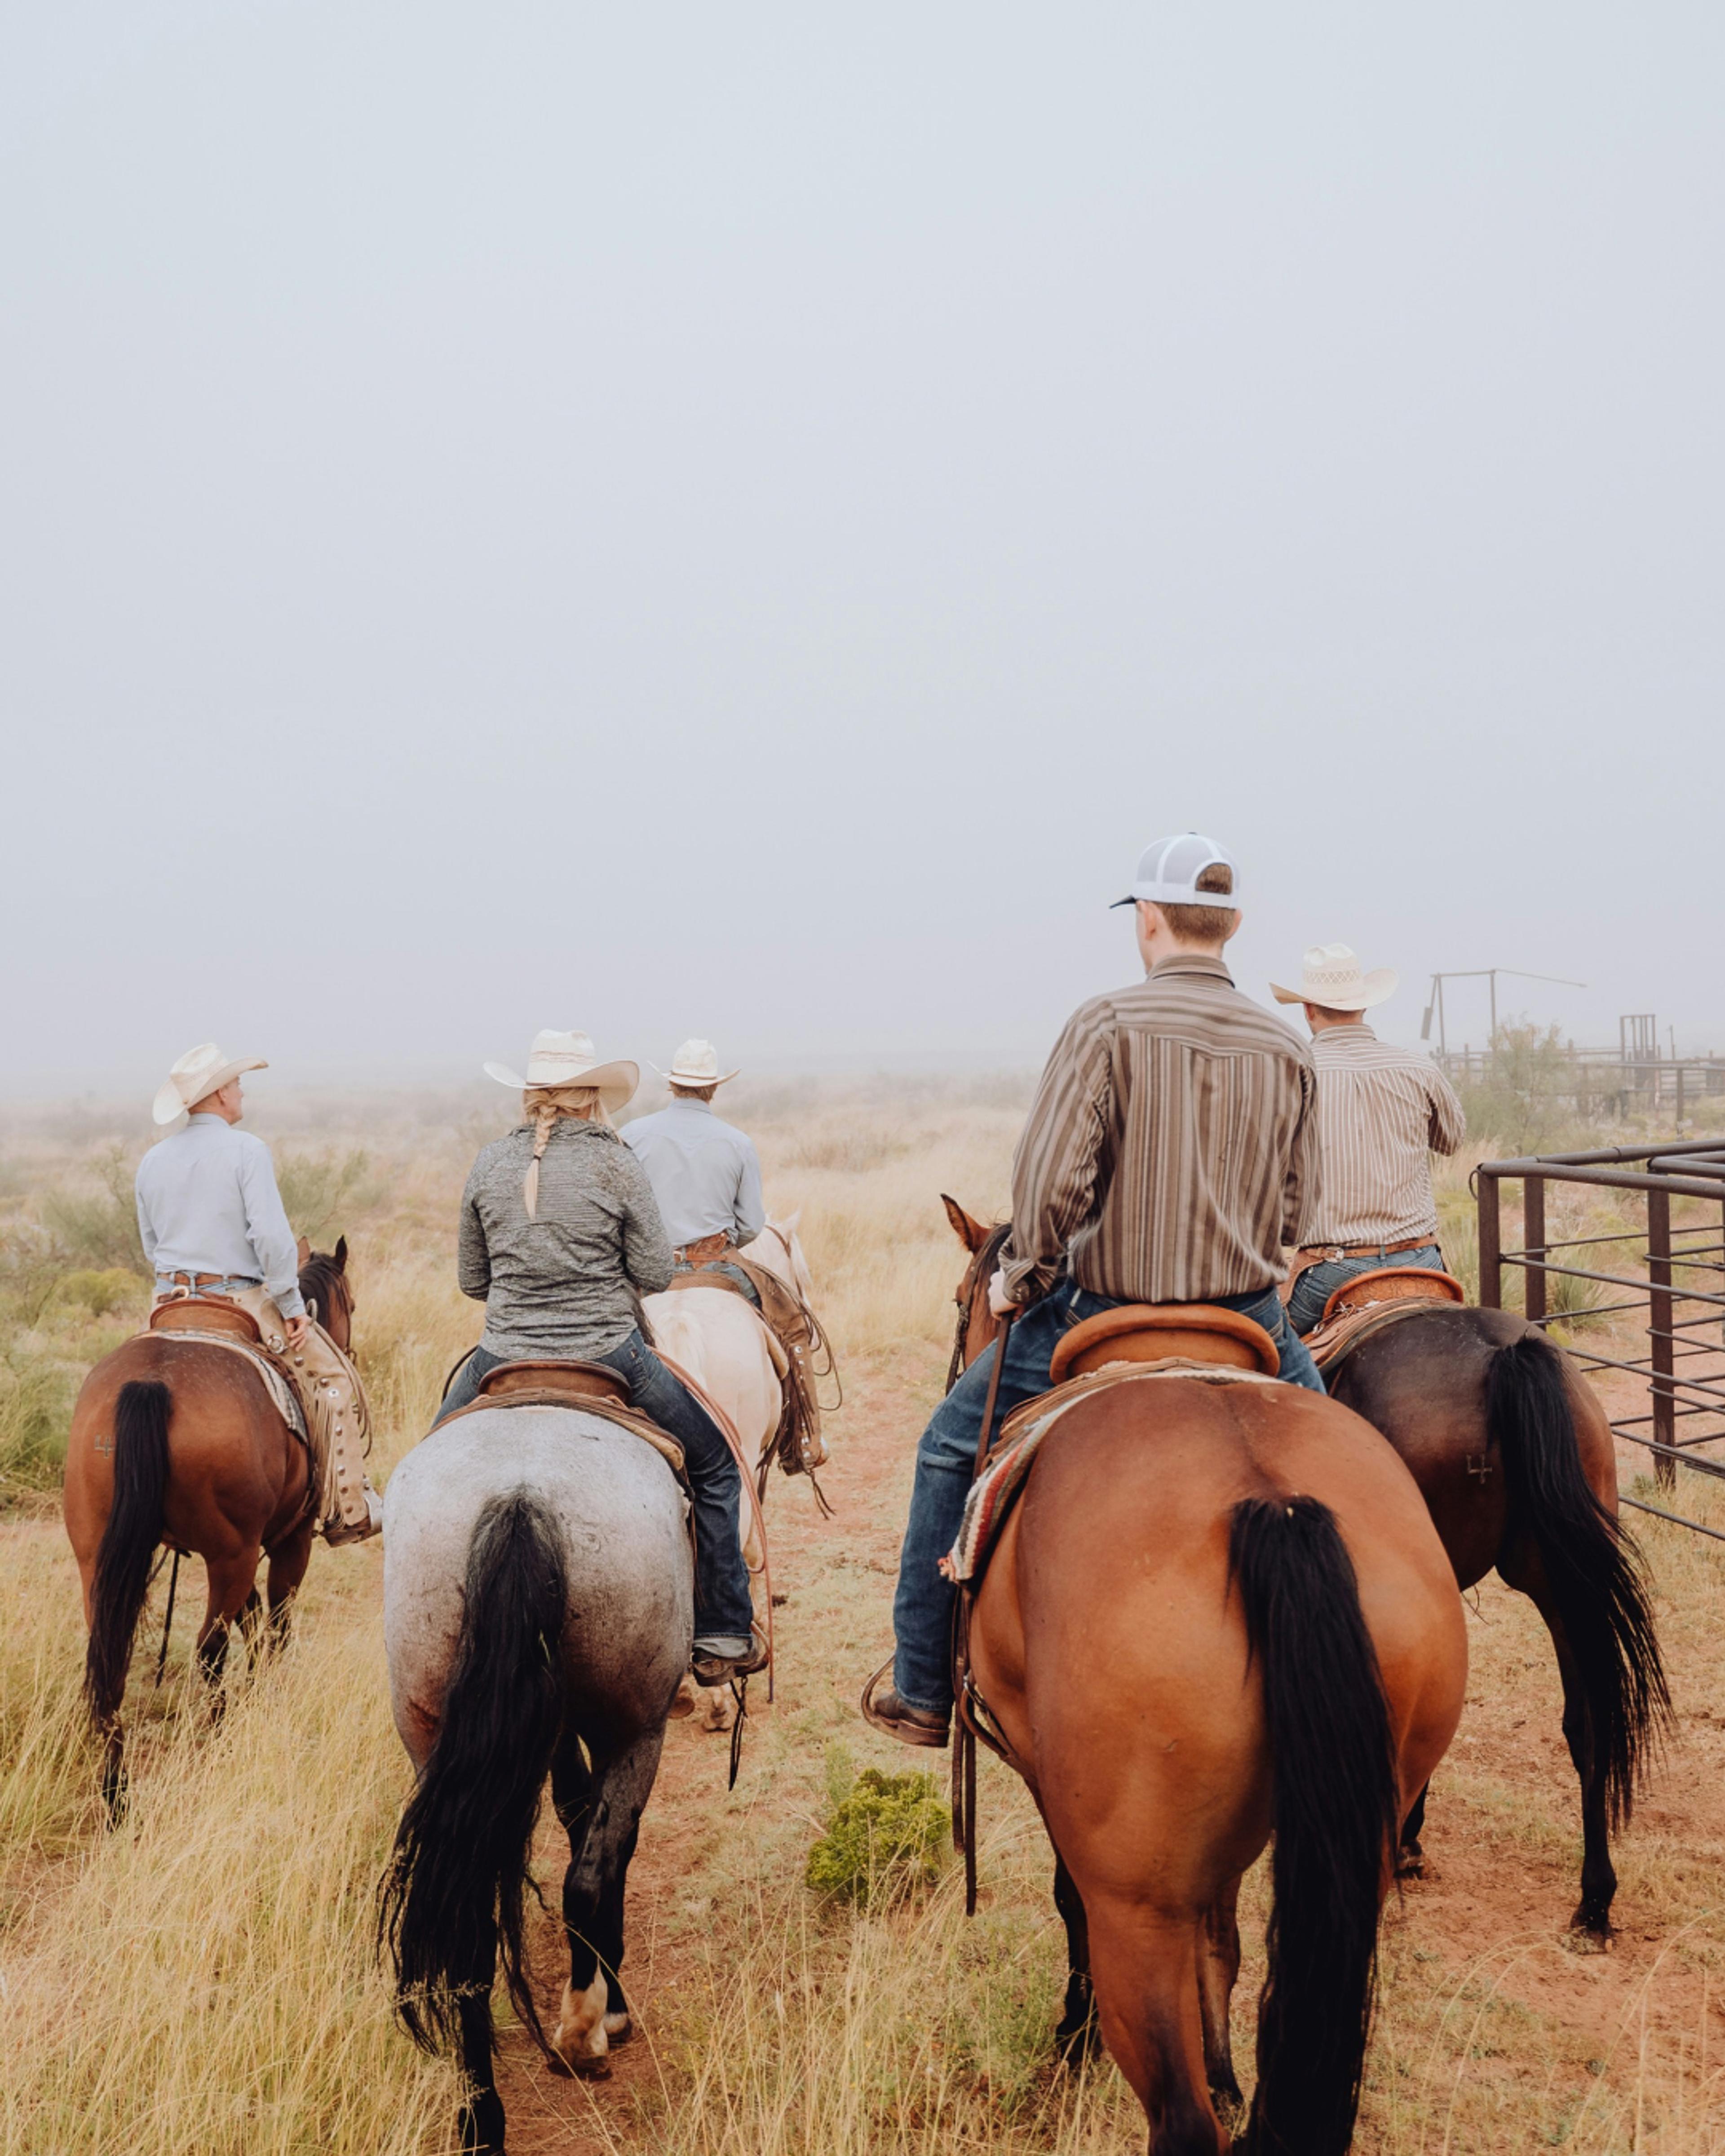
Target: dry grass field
x=203, y=1979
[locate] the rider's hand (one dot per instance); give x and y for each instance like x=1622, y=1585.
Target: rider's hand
x=298, y=1330
x=1001, y=1298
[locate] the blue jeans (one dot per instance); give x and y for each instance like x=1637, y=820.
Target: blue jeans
x=1318, y=1283
x=946, y=1460
x=722, y=1608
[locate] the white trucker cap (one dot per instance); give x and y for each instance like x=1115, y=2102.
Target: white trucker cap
x=1169, y=873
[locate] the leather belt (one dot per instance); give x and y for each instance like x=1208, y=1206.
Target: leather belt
x=209, y=1280
x=703, y=1251
x=1321, y=1253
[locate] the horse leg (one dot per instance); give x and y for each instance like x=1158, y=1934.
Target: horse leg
x=480, y=2119
x=1410, y=1856
x=1521, y=1569
x=1599, y=1877
x=1076, y=2037
x=251, y=1629
x=1218, y=1972
x=230, y=1583
x=288, y=1562
x=1145, y=1967
x=601, y=1812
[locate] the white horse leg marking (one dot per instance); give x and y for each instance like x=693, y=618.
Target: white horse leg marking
x=582, y=2037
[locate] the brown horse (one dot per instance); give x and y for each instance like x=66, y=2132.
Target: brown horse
x=1218, y=1611
x=173, y=1441
x=1515, y=1459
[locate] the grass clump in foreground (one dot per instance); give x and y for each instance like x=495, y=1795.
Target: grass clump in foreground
x=885, y=1834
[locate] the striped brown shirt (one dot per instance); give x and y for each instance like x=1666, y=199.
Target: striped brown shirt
x=1170, y=1150
x=1382, y=1112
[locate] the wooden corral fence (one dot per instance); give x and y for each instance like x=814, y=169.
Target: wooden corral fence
x=1666, y=1262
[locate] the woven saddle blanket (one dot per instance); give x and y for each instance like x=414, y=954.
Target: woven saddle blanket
x=996, y=1489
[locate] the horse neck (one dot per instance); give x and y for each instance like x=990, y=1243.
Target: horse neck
x=329, y=1291
x=777, y=1252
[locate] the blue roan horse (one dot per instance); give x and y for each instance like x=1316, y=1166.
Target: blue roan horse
x=538, y=1612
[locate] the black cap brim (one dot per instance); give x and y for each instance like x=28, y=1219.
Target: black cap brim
x=1127, y=901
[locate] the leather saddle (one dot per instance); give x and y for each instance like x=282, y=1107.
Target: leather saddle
x=1363, y=1306
x=548, y=1383
x=1393, y=1284
x=1156, y=1332
x=206, y=1314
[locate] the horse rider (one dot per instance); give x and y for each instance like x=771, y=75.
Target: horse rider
x=212, y=1223
x=1169, y=1152
x=705, y=1172
x=1382, y=1112
x=560, y=1238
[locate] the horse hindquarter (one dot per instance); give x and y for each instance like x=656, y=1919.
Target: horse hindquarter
x=1114, y=1649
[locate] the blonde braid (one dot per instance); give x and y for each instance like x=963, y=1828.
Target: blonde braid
x=543, y=1105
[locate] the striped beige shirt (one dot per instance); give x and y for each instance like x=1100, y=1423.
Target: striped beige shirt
x=1170, y=1150
x=1382, y=1112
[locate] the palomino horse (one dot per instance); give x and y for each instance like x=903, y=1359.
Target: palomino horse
x=538, y=1612
x=173, y=1441
x=1515, y=1459
x=1218, y=1611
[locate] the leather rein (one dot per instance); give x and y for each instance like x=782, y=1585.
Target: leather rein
x=974, y=1283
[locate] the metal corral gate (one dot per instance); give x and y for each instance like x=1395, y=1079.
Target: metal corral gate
x=1674, y=1266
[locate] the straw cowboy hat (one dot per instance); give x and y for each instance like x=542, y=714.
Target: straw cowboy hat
x=568, y=1059
x=1330, y=976
x=199, y=1072
x=697, y=1063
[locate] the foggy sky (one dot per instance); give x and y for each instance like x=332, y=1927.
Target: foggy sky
x=744, y=519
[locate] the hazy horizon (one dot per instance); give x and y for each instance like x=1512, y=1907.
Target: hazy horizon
x=668, y=522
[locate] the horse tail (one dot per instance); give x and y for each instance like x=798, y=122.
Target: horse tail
x=128, y=1540
x=457, y=1878
x=1592, y=1564
x=1335, y=1809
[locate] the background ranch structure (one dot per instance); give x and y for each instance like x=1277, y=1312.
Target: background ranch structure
x=805, y=1979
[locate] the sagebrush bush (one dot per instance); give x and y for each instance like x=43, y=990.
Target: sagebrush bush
x=885, y=1833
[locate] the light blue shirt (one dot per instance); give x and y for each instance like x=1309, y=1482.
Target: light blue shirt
x=208, y=1203
x=706, y=1174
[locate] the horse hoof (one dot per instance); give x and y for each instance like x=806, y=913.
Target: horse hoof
x=1589, y=1936
x=618, y=2029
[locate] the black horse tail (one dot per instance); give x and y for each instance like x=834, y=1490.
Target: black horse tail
x=1592, y=1565
x=1336, y=1808
x=128, y=1544
x=459, y=1877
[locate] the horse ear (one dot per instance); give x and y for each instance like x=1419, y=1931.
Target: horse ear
x=340, y=1254
x=302, y=1253
x=789, y=1223
x=971, y=1233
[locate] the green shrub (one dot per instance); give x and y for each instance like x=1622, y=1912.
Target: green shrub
x=318, y=1189
x=885, y=1834
x=101, y=1293
x=98, y=1230
x=35, y=1413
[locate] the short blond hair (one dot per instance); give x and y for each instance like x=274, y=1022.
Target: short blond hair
x=1205, y=924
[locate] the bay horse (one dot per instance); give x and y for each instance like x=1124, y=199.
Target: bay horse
x=173, y=1441
x=538, y=1615
x=1515, y=1459
x=1218, y=1611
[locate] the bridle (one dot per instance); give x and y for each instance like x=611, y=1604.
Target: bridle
x=975, y=1282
